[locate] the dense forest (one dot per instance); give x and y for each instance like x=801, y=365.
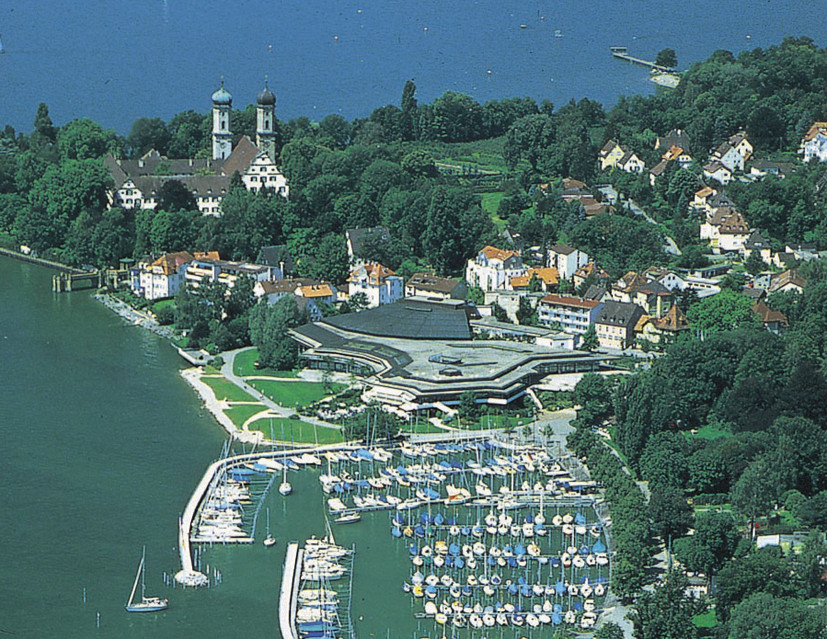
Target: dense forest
x=724, y=435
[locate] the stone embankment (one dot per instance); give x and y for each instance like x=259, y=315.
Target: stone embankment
x=138, y=318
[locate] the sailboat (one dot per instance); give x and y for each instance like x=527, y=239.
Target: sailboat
x=269, y=540
x=285, y=488
x=146, y=604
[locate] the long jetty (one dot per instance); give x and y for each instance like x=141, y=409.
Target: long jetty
x=188, y=575
x=622, y=53
x=290, y=580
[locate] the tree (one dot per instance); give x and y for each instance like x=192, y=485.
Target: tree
x=408, y=111
x=593, y=395
x=175, y=196
x=723, y=312
x=526, y=313
x=713, y=544
x=813, y=512
x=268, y=332
x=754, y=492
x=666, y=612
x=84, y=139
x=146, y=134
x=671, y=514
x=44, y=130
x=762, y=616
x=468, y=409
x=667, y=58
x=528, y=139
x=589, y=341
x=754, y=264
x=609, y=630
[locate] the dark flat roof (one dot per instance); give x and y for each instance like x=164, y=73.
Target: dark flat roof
x=408, y=319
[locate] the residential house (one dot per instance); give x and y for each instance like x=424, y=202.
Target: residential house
x=309, y=294
x=734, y=152
x=675, y=153
x=587, y=271
x=493, y=268
x=573, y=314
x=615, y=324
x=701, y=197
x=665, y=277
x=566, y=259
x=598, y=293
x=773, y=321
x=742, y=145
x=653, y=297
x=161, y=278
x=733, y=233
x=546, y=278
x=278, y=259
x=613, y=155
x=358, y=238
x=789, y=280
x=663, y=329
x=717, y=171
x=380, y=284
x=610, y=154
x=429, y=285
x=814, y=143
x=756, y=242
x=762, y=168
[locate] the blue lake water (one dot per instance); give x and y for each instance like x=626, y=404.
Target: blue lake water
x=115, y=61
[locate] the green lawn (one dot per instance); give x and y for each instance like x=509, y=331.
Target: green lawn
x=296, y=431
x=706, y=620
x=485, y=422
x=243, y=365
x=224, y=389
x=294, y=394
x=710, y=431
x=241, y=413
x=490, y=202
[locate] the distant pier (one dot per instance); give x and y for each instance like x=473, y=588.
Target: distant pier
x=622, y=53
x=290, y=584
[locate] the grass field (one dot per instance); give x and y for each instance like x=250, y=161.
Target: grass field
x=240, y=414
x=420, y=427
x=243, y=366
x=710, y=431
x=296, y=431
x=706, y=620
x=224, y=389
x=294, y=394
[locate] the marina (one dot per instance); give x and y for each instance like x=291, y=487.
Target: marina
x=497, y=534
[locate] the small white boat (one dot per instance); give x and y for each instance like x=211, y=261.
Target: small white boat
x=348, y=518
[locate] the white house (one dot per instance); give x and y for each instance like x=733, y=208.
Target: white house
x=162, y=278
x=717, y=171
x=727, y=155
x=566, y=260
x=209, y=265
x=814, y=143
x=379, y=284
x=493, y=268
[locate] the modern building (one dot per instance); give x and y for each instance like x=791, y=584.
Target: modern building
x=419, y=354
x=212, y=267
x=572, y=314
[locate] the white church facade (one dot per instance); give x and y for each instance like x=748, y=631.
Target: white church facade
x=137, y=182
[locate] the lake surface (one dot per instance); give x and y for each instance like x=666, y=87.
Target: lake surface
x=115, y=61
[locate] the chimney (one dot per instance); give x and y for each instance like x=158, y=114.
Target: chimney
x=281, y=268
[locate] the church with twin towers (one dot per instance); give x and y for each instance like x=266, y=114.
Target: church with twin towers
x=137, y=182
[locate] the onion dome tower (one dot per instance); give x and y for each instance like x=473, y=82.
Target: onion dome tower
x=266, y=122
x=222, y=137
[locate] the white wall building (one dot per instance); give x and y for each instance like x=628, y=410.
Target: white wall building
x=379, y=284
x=493, y=268
x=566, y=260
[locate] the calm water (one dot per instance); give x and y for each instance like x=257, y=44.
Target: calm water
x=114, y=61
x=103, y=443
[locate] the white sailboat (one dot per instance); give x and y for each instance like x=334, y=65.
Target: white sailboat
x=285, y=488
x=146, y=604
x=269, y=540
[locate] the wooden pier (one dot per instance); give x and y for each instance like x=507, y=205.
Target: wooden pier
x=622, y=53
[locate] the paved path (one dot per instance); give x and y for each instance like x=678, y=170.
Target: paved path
x=277, y=409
